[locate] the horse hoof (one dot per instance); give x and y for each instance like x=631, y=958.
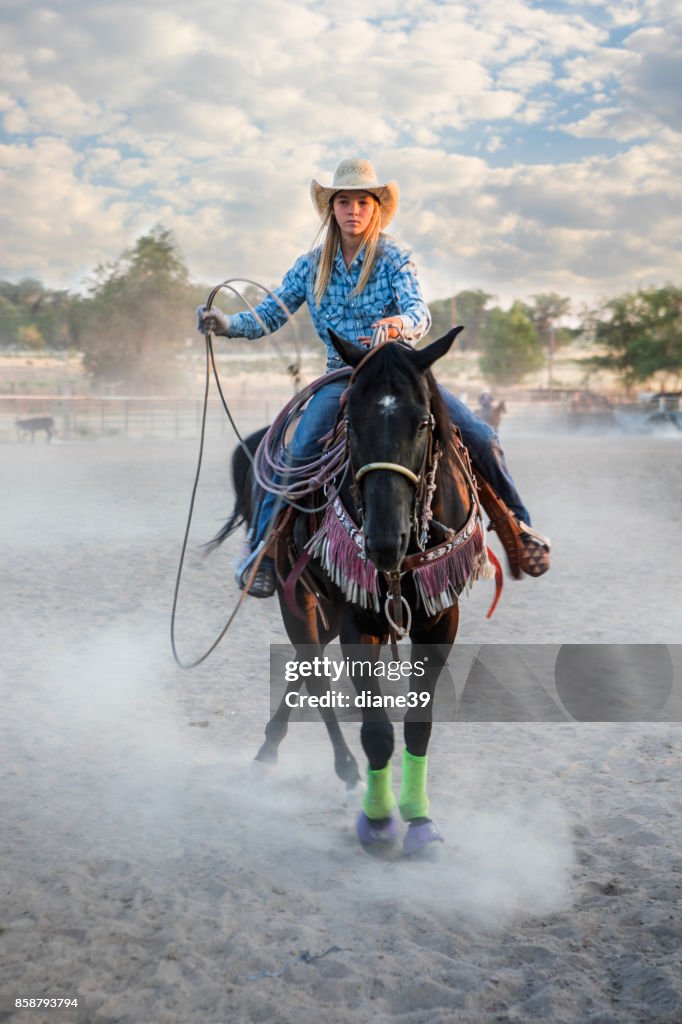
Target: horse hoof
x=420, y=835
x=347, y=771
x=375, y=832
x=266, y=754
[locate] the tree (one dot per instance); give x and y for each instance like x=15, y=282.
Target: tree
x=466, y=307
x=30, y=337
x=544, y=315
x=29, y=307
x=139, y=313
x=641, y=334
x=510, y=346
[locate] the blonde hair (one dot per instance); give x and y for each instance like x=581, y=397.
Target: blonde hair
x=329, y=231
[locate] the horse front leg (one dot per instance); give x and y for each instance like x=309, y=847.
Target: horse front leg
x=431, y=648
x=376, y=824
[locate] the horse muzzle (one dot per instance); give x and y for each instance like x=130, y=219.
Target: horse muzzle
x=386, y=551
x=387, y=501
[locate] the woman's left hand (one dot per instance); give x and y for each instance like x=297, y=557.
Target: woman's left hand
x=394, y=324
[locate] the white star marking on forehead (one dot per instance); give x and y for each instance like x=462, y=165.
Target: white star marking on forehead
x=387, y=404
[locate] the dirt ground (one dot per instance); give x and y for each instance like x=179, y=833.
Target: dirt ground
x=150, y=871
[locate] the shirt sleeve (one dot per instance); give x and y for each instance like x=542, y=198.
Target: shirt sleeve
x=269, y=316
x=412, y=307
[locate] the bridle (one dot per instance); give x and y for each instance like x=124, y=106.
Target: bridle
x=424, y=483
x=424, y=488
x=394, y=467
x=380, y=342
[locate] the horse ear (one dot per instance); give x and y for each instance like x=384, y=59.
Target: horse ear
x=423, y=358
x=349, y=351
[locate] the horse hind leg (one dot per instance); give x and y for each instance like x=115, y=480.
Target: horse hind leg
x=345, y=765
x=277, y=727
x=307, y=636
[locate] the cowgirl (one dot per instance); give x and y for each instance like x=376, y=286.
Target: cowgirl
x=355, y=280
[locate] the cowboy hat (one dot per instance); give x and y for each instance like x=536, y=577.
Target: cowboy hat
x=357, y=176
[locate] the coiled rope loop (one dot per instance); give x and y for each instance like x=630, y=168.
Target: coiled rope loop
x=296, y=482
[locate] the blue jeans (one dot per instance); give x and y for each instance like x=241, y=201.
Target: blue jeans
x=486, y=454
x=481, y=440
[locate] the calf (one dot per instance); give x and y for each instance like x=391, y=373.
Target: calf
x=30, y=426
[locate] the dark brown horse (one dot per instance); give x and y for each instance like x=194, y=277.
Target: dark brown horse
x=406, y=513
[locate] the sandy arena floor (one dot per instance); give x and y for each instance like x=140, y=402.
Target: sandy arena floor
x=150, y=871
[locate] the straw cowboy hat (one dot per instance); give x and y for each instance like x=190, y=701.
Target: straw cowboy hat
x=357, y=176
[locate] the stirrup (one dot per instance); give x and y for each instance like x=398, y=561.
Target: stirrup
x=264, y=581
x=534, y=551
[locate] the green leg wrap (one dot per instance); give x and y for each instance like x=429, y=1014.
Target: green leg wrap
x=414, y=803
x=379, y=800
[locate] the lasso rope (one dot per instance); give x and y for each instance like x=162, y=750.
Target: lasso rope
x=297, y=482
x=274, y=471
x=211, y=364
x=272, y=466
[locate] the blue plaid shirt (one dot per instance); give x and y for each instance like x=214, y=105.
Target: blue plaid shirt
x=392, y=290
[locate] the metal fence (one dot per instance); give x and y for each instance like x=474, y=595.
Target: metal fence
x=86, y=417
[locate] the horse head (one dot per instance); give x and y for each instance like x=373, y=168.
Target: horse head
x=393, y=415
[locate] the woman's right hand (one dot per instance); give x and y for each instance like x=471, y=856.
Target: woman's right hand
x=212, y=320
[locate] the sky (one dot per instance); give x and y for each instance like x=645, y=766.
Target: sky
x=537, y=145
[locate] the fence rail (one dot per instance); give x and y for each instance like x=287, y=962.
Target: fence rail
x=85, y=417
x=88, y=417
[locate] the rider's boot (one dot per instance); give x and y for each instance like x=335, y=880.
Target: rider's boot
x=256, y=575
x=526, y=549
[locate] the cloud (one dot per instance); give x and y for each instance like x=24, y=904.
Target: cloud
x=213, y=119
x=653, y=83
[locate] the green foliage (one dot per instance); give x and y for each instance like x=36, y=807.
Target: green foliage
x=31, y=338
x=510, y=346
x=544, y=313
x=138, y=315
x=466, y=307
x=641, y=334
x=28, y=310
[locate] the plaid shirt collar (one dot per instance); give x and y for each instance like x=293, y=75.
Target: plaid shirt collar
x=358, y=259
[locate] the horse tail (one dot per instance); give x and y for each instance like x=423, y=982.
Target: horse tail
x=241, y=481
